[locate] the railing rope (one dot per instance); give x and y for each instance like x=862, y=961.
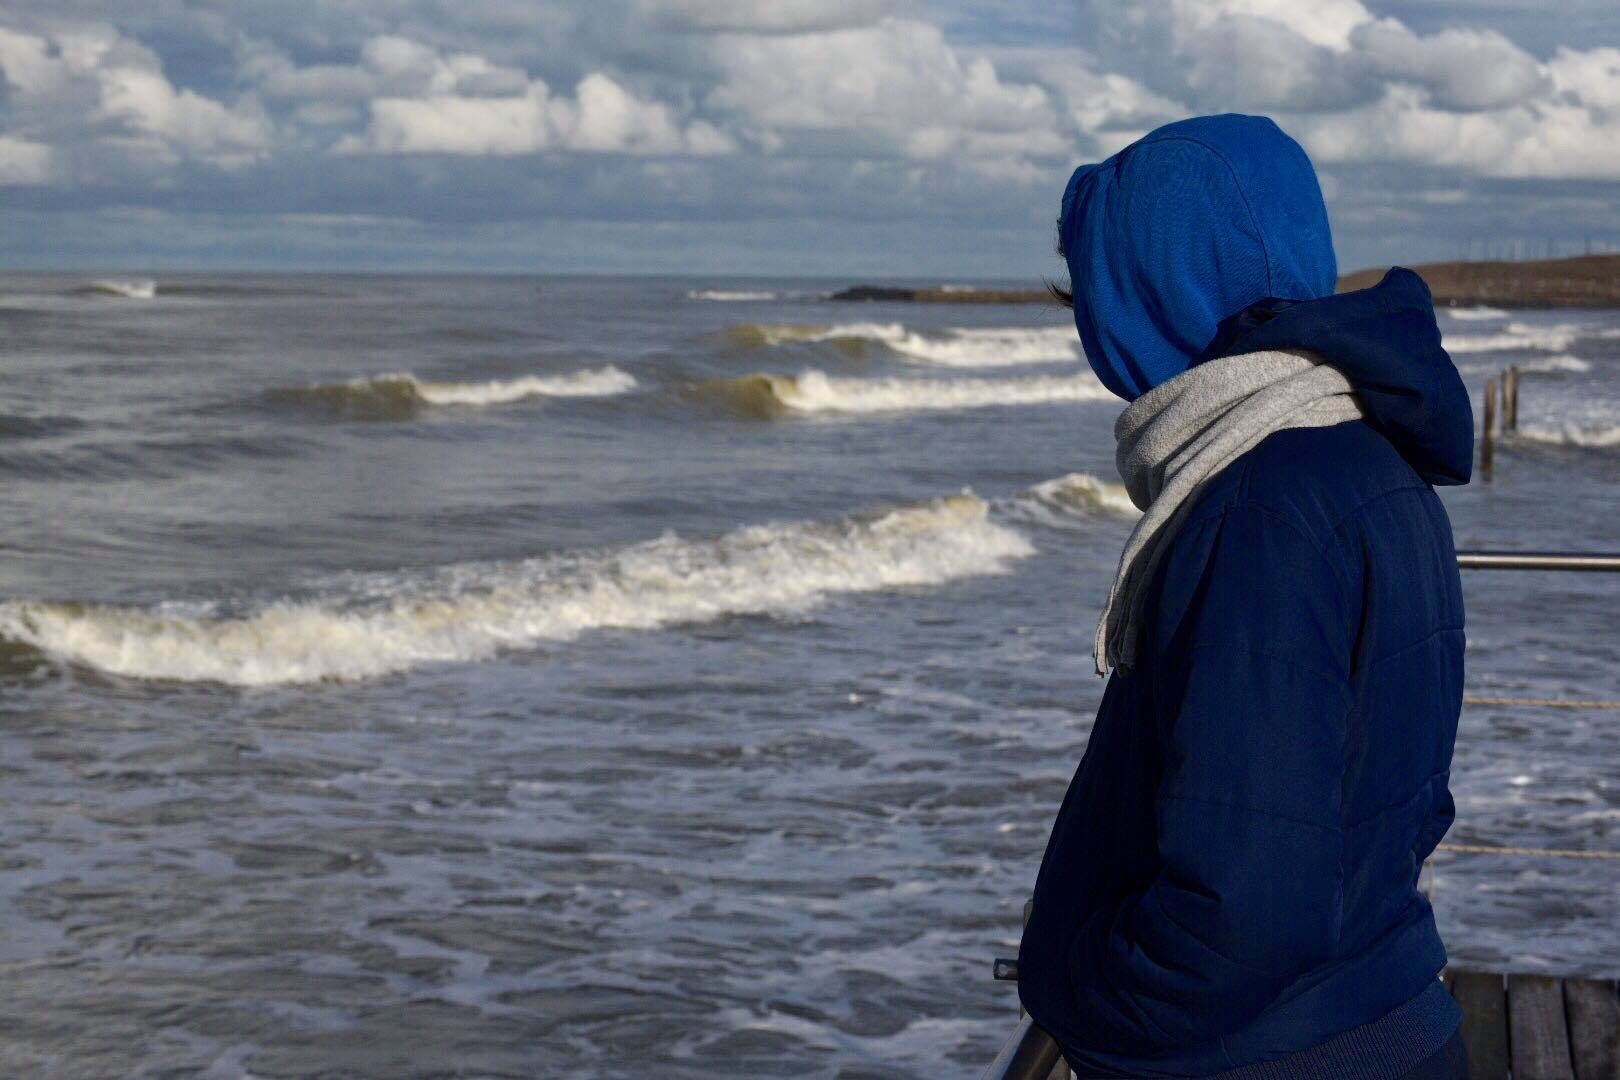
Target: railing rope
x=1555, y=853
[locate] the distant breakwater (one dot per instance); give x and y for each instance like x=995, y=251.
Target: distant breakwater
x=946, y=295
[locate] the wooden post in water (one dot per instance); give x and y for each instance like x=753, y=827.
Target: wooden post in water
x=1510, y=399
x=1485, y=447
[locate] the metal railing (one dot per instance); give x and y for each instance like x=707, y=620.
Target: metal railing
x=1032, y=1054
x=1536, y=560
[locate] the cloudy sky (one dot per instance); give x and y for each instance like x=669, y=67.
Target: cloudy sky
x=844, y=137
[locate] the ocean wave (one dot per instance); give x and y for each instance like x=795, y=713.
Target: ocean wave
x=1515, y=335
x=1558, y=362
x=36, y=427
x=1469, y=314
x=372, y=625
x=222, y=290
x=956, y=347
x=765, y=396
x=1076, y=496
x=134, y=289
x=113, y=459
x=731, y=295
x=400, y=395
x=1602, y=437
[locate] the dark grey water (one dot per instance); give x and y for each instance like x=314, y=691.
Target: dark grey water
x=589, y=677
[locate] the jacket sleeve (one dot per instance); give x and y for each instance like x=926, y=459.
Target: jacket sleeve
x=1250, y=639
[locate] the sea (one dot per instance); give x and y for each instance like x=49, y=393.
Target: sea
x=462, y=676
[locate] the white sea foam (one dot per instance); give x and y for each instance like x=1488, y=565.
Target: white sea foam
x=990, y=346
x=1602, y=436
x=400, y=395
x=1515, y=335
x=598, y=382
x=1466, y=314
x=140, y=289
x=730, y=295
x=813, y=391
x=998, y=346
x=1558, y=362
x=371, y=625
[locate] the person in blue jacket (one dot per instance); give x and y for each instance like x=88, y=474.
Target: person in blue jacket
x=1231, y=885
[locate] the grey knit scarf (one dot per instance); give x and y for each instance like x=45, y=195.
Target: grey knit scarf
x=1179, y=434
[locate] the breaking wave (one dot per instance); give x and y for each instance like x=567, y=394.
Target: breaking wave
x=128, y=290
x=1571, y=434
x=1069, y=499
x=765, y=396
x=960, y=347
x=1516, y=335
x=731, y=295
x=1558, y=362
x=1469, y=314
x=376, y=624
x=401, y=395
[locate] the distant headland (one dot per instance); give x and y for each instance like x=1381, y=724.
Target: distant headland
x=1579, y=281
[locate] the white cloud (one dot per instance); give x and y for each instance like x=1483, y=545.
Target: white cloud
x=23, y=162
x=145, y=102
x=1262, y=64
x=1544, y=140
x=602, y=116
x=93, y=76
x=1463, y=70
x=776, y=16
x=1323, y=23
x=896, y=88
x=388, y=66
x=850, y=109
x=1356, y=88
x=1113, y=110
x=28, y=63
x=1590, y=78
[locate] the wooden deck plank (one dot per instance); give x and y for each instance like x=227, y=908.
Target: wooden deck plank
x=1483, y=1000
x=1593, y=1008
x=1538, y=1036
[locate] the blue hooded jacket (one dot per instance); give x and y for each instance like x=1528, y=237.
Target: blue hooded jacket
x=1230, y=888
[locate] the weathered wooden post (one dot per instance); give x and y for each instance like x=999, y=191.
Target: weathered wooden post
x=1485, y=447
x=1510, y=399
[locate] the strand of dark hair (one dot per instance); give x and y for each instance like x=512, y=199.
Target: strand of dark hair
x=1063, y=294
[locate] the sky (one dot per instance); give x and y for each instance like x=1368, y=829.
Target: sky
x=846, y=138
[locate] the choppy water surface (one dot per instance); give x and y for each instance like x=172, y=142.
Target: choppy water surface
x=592, y=677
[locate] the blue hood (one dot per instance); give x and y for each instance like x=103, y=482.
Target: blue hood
x=1185, y=227
x=1387, y=343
